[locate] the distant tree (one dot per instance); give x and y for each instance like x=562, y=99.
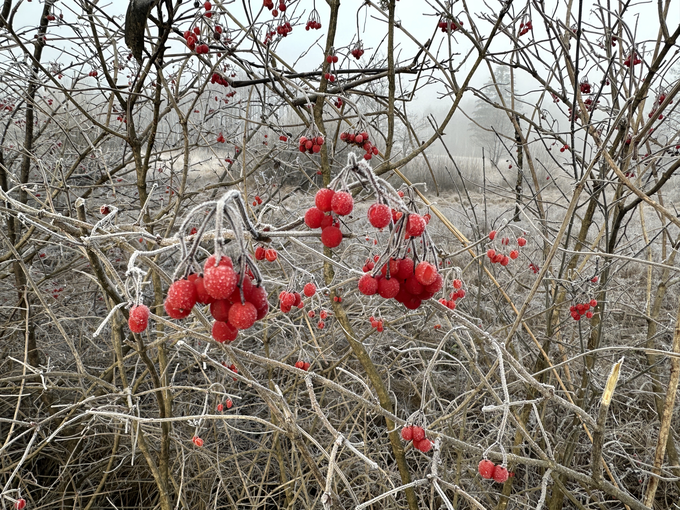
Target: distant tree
x=489, y=120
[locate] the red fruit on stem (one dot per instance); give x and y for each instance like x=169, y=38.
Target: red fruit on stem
x=379, y=215
x=20, y=504
x=418, y=433
x=426, y=273
x=224, y=332
x=313, y=217
x=220, y=407
x=388, y=288
x=270, y=254
x=424, y=445
x=415, y=225
x=521, y=241
x=486, y=469
x=492, y=235
x=324, y=198
x=197, y=441
x=242, y=316
x=219, y=309
x=342, y=203
x=139, y=318
x=368, y=285
x=514, y=254
x=331, y=236
x=259, y=253
x=309, y=289
x=500, y=474
x=219, y=281
x=182, y=295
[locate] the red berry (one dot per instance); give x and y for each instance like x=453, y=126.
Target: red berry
x=418, y=433
x=207, y=6
x=379, y=215
x=407, y=433
x=426, y=273
x=368, y=285
x=219, y=309
x=175, y=312
x=486, y=468
x=500, y=474
x=331, y=236
x=388, y=288
x=270, y=254
x=229, y=403
x=242, y=316
x=424, y=445
x=219, y=281
x=139, y=318
x=220, y=407
x=259, y=253
x=197, y=441
x=182, y=296
x=589, y=315
x=514, y=254
x=342, y=203
x=321, y=325
x=20, y=504
x=415, y=225
x=324, y=198
x=224, y=332
x=457, y=284
x=593, y=303
x=309, y=289
x=492, y=235
x=435, y=286
x=313, y=217
x=491, y=253
x=521, y=241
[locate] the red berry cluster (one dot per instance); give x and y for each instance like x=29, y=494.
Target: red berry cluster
x=302, y=365
x=330, y=77
x=338, y=103
x=314, y=21
x=497, y=257
x=228, y=404
x=311, y=145
x=358, y=50
x=332, y=59
x=446, y=24
x=581, y=309
x=377, y=324
x=585, y=87
x=218, y=287
x=525, y=27
x=490, y=470
x=269, y=254
x=457, y=294
x=138, y=318
x=220, y=138
x=50, y=17
x=269, y=4
x=219, y=79
x=634, y=58
x=330, y=201
x=105, y=209
x=257, y=201
x=565, y=147
x=93, y=73
x=417, y=435
x=360, y=140
x=288, y=300
x=406, y=282
x=533, y=267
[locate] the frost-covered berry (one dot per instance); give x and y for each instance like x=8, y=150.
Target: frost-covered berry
x=342, y=203
x=224, y=332
x=331, y=236
x=368, y=285
x=379, y=215
x=139, y=318
x=324, y=198
x=242, y=316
